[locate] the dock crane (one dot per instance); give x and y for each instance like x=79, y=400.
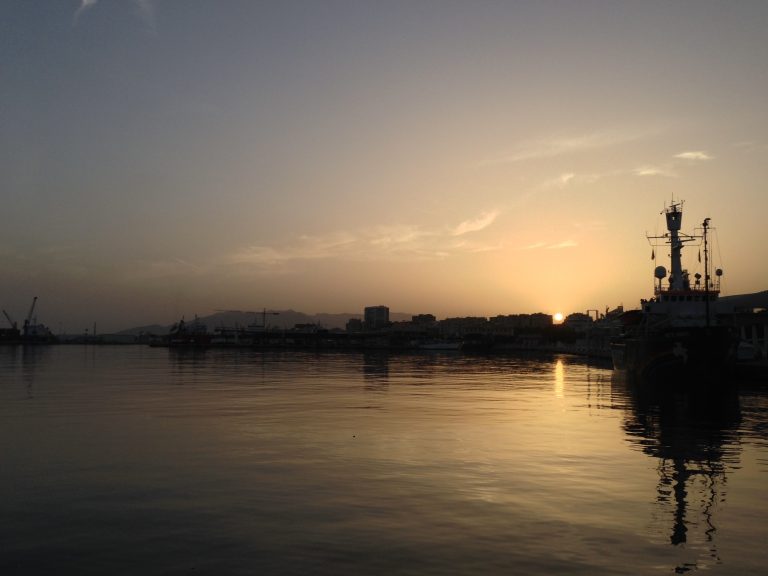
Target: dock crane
x=11, y=321
x=29, y=316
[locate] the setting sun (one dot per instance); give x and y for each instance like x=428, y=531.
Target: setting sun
x=558, y=317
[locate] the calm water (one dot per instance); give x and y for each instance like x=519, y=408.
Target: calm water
x=131, y=460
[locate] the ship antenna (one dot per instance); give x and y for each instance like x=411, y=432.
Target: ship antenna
x=705, y=225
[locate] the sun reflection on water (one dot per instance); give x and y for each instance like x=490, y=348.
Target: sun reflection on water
x=559, y=379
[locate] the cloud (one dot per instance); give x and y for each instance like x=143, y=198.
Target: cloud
x=385, y=242
x=548, y=246
x=403, y=235
x=562, y=180
x=570, y=179
x=476, y=224
x=165, y=268
x=654, y=171
x=145, y=8
x=564, y=244
x=552, y=147
x=668, y=170
x=266, y=255
x=304, y=248
x=84, y=5
x=694, y=155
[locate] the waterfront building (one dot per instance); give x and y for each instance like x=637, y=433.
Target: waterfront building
x=509, y=323
x=354, y=325
x=540, y=320
x=424, y=319
x=376, y=317
x=578, y=321
x=457, y=327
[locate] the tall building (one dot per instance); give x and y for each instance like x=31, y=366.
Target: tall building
x=376, y=317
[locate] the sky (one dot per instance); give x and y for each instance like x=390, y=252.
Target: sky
x=166, y=158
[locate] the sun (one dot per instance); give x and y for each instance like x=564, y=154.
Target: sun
x=558, y=317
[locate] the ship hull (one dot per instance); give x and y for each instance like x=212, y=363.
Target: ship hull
x=686, y=355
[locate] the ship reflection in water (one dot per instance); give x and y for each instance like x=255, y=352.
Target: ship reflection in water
x=139, y=460
x=695, y=436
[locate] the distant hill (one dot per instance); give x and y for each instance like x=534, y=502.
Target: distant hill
x=149, y=329
x=283, y=319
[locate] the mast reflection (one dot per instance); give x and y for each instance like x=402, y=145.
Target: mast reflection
x=694, y=435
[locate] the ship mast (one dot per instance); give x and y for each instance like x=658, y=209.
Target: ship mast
x=705, y=226
x=674, y=215
x=678, y=278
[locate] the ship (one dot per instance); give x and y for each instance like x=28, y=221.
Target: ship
x=31, y=333
x=675, y=336
x=184, y=335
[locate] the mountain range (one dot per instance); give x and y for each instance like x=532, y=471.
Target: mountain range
x=282, y=319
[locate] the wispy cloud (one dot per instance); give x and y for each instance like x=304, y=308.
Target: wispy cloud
x=668, y=170
x=563, y=244
x=145, y=9
x=84, y=5
x=694, y=155
x=571, y=179
x=562, y=180
x=559, y=146
x=649, y=170
x=551, y=246
x=305, y=247
x=172, y=267
x=400, y=235
x=386, y=242
x=476, y=224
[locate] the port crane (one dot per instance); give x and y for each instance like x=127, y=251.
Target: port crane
x=11, y=321
x=28, y=320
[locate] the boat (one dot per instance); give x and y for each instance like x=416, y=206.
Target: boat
x=10, y=335
x=31, y=332
x=440, y=345
x=184, y=335
x=253, y=335
x=675, y=336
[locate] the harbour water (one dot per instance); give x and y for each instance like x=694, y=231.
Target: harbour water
x=134, y=460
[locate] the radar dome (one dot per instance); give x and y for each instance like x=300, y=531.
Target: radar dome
x=660, y=272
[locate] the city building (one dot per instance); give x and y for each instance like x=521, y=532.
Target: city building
x=578, y=321
x=376, y=317
x=424, y=319
x=458, y=327
x=354, y=325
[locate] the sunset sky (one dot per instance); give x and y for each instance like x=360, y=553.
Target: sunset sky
x=161, y=158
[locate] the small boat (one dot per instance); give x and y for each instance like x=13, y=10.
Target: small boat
x=441, y=345
x=185, y=335
x=676, y=336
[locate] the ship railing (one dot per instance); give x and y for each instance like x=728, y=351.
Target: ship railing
x=692, y=295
